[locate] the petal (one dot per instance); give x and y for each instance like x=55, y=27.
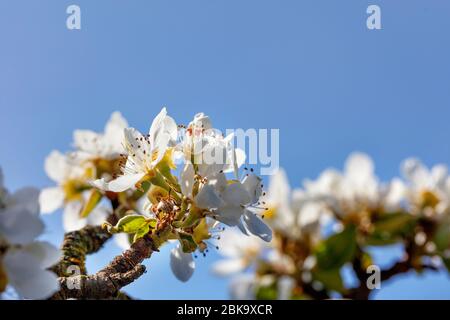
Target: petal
x=439, y=174
x=309, y=214
x=279, y=188
x=257, y=227
x=252, y=183
x=163, y=125
x=201, y=121
x=26, y=276
x=395, y=195
x=19, y=226
x=86, y=140
x=242, y=287
x=114, y=131
x=414, y=171
x=219, y=181
x=27, y=198
x=230, y=214
x=329, y=182
x=56, y=166
x=98, y=216
x=236, y=194
x=51, y=199
x=47, y=254
x=285, y=286
x=359, y=169
x=187, y=180
x=122, y=183
x=71, y=217
x=182, y=264
x=227, y=267
x=160, y=145
x=207, y=198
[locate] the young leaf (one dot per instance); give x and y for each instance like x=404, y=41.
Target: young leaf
x=337, y=249
x=141, y=232
x=131, y=223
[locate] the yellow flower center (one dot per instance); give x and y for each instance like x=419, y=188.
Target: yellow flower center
x=429, y=199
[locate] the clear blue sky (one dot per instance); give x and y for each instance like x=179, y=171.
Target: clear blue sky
x=310, y=68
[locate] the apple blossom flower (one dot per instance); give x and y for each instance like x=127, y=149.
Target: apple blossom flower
x=241, y=252
x=23, y=260
x=356, y=189
x=107, y=145
x=144, y=153
x=428, y=189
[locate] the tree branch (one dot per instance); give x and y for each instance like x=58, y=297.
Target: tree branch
x=106, y=283
x=76, y=246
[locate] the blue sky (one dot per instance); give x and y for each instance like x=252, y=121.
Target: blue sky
x=310, y=68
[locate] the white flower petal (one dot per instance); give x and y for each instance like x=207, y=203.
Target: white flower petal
x=415, y=172
x=51, y=199
x=98, y=216
x=86, y=140
x=122, y=183
x=207, y=198
x=242, y=287
x=25, y=274
x=56, y=166
x=47, y=254
x=114, y=132
x=27, y=199
x=285, y=286
x=182, y=264
x=252, y=183
x=187, y=180
x=230, y=214
x=19, y=226
x=309, y=214
x=236, y=194
x=395, y=195
x=279, y=188
x=163, y=125
x=227, y=267
x=257, y=227
x=71, y=217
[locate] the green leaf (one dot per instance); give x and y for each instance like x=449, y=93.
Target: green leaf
x=331, y=279
x=393, y=222
x=267, y=293
x=442, y=236
x=131, y=223
x=391, y=228
x=94, y=198
x=337, y=249
x=187, y=242
x=141, y=232
x=447, y=263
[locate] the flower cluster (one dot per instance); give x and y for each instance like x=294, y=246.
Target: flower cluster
x=332, y=221
x=23, y=259
x=176, y=183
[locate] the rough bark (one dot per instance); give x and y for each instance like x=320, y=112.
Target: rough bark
x=76, y=246
x=106, y=283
